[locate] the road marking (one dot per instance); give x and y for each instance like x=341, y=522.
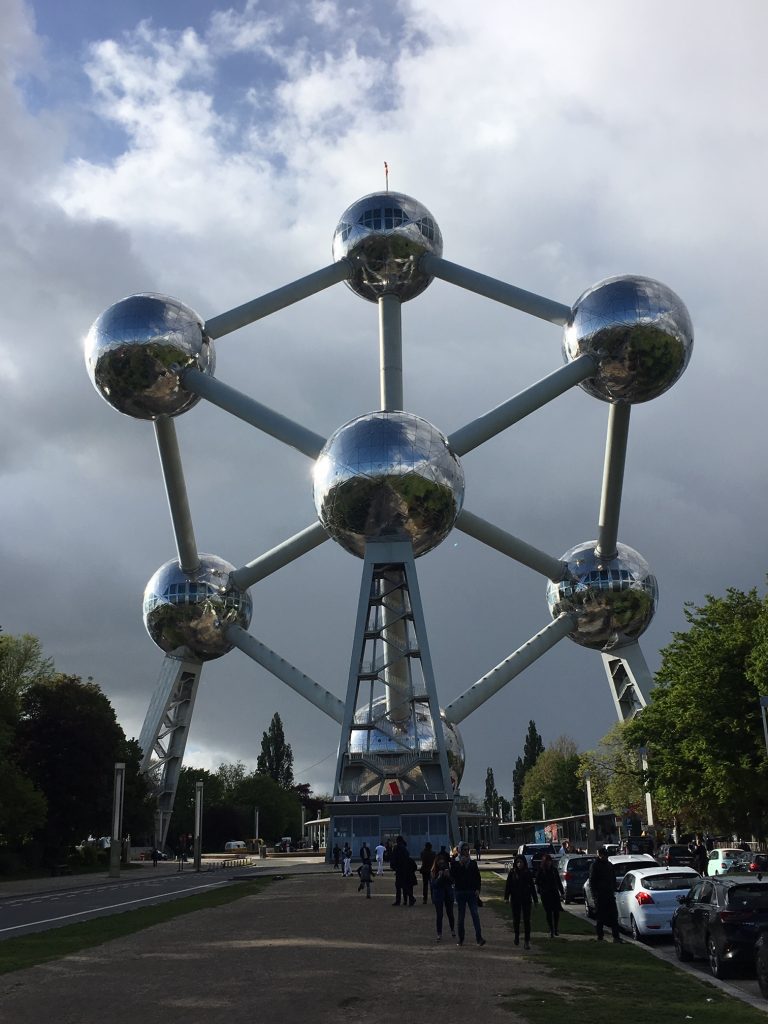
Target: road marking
x=115, y=906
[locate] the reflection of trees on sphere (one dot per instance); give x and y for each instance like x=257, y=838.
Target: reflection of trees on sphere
x=187, y=613
x=388, y=475
x=640, y=332
x=137, y=350
x=613, y=599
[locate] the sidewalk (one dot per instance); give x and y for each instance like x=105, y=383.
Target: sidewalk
x=308, y=948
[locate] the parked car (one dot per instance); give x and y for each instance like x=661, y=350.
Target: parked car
x=574, y=871
x=720, y=920
x=647, y=899
x=533, y=852
x=621, y=865
x=721, y=858
x=675, y=856
x=235, y=844
x=761, y=962
x=758, y=862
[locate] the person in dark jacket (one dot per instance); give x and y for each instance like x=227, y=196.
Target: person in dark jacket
x=401, y=863
x=465, y=875
x=551, y=892
x=700, y=856
x=427, y=860
x=442, y=892
x=520, y=890
x=602, y=882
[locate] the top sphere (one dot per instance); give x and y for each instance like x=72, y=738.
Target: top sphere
x=640, y=333
x=388, y=476
x=137, y=351
x=384, y=235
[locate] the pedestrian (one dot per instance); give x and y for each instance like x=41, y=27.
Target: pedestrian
x=550, y=890
x=700, y=856
x=602, y=882
x=442, y=892
x=336, y=857
x=347, y=860
x=380, y=851
x=427, y=860
x=365, y=853
x=478, y=849
x=155, y=856
x=180, y=858
x=365, y=872
x=520, y=890
x=466, y=881
x=400, y=862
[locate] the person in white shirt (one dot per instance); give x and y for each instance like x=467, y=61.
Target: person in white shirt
x=380, y=851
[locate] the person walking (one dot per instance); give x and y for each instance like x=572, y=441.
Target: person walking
x=466, y=881
x=520, y=890
x=365, y=871
x=336, y=857
x=478, y=850
x=550, y=890
x=365, y=854
x=380, y=851
x=602, y=882
x=347, y=860
x=700, y=856
x=442, y=892
x=400, y=862
x=427, y=860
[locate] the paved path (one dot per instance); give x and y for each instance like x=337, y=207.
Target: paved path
x=308, y=948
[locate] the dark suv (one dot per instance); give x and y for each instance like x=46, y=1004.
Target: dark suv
x=720, y=920
x=574, y=871
x=670, y=856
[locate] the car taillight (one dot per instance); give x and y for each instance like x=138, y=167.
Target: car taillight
x=567, y=876
x=643, y=898
x=733, y=916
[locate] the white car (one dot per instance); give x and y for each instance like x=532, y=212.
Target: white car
x=721, y=859
x=621, y=865
x=647, y=899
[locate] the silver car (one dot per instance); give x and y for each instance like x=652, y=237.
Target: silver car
x=648, y=897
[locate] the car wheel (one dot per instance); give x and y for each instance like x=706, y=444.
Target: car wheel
x=681, y=952
x=636, y=935
x=717, y=965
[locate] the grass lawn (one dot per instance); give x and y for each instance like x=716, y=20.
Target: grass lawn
x=600, y=983
x=28, y=950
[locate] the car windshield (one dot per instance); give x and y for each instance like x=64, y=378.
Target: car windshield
x=578, y=863
x=748, y=897
x=667, y=883
x=729, y=854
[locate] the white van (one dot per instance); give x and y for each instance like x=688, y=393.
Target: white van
x=234, y=844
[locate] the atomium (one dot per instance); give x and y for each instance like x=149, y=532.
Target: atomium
x=187, y=613
x=137, y=350
x=384, y=235
x=388, y=475
x=397, y=741
x=640, y=333
x=613, y=600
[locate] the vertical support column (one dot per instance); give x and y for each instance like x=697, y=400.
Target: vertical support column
x=391, y=352
x=629, y=680
x=613, y=479
x=198, y=839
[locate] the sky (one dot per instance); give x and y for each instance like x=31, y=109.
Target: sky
x=207, y=152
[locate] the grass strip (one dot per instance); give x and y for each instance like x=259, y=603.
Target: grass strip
x=55, y=943
x=599, y=982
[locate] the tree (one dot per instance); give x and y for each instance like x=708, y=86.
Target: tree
x=532, y=749
x=491, y=802
x=554, y=779
x=276, y=757
x=616, y=777
x=702, y=727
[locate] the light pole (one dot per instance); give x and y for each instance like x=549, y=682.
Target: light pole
x=590, y=812
x=643, y=751
x=256, y=829
x=763, y=706
x=115, y=846
x=198, y=841
x=543, y=809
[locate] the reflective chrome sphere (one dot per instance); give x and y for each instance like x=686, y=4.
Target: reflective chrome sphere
x=613, y=599
x=388, y=475
x=137, y=350
x=385, y=234
x=640, y=332
x=186, y=614
x=401, y=739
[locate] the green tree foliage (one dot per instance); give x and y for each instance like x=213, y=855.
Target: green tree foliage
x=276, y=757
x=532, y=749
x=554, y=779
x=615, y=773
x=491, y=802
x=702, y=728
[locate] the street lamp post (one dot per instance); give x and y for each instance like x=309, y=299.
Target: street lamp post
x=115, y=846
x=591, y=834
x=763, y=707
x=198, y=842
x=256, y=829
x=643, y=751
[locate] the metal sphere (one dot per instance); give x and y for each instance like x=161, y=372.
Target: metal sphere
x=397, y=741
x=613, y=599
x=388, y=476
x=385, y=234
x=639, y=331
x=187, y=613
x=137, y=350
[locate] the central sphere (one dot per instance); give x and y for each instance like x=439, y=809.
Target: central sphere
x=388, y=476
x=187, y=613
x=613, y=600
x=384, y=235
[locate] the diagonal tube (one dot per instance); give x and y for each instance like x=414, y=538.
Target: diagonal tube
x=248, y=409
x=279, y=556
x=506, y=670
x=246, y=314
x=499, y=291
x=512, y=546
x=613, y=479
x=283, y=670
x=176, y=490
x=522, y=404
